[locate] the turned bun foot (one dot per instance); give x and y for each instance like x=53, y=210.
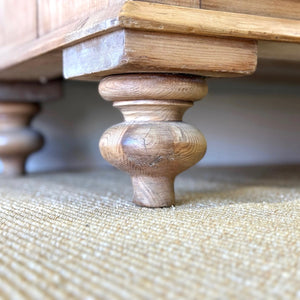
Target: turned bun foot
x=17, y=139
x=153, y=145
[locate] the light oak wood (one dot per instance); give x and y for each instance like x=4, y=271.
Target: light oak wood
x=17, y=140
x=187, y=3
x=129, y=51
x=153, y=144
x=95, y=23
x=135, y=15
x=55, y=14
x=18, y=22
x=44, y=55
x=272, y=8
x=41, y=49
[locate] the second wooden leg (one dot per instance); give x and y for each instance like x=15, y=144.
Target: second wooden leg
x=17, y=139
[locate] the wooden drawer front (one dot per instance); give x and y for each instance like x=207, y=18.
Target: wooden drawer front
x=18, y=21
x=272, y=8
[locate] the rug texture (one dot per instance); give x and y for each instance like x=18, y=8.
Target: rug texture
x=234, y=234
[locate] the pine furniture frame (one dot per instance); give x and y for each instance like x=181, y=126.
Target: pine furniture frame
x=151, y=58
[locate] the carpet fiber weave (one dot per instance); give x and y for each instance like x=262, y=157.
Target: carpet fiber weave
x=234, y=234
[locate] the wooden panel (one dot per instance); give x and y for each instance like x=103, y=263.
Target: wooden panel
x=272, y=8
x=54, y=14
x=128, y=51
x=136, y=15
x=15, y=61
x=283, y=58
x=17, y=21
x=41, y=58
x=188, y=3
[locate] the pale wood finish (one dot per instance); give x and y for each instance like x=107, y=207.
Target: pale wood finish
x=96, y=24
x=18, y=22
x=187, y=3
x=272, y=8
x=153, y=144
x=129, y=51
x=44, y=55
x=18, y=141
x=54, y=14
x=135, y=15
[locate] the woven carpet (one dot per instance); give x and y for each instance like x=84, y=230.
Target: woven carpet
x=234, y=234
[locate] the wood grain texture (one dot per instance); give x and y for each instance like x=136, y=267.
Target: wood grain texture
x=187, y=3
x=50, y=45
x=272, y=8
x=135, y=15
x=129, y=51
x=153, y=144
x=54, y=14
x=18, y=140
x=42, y=58
x=17, y=22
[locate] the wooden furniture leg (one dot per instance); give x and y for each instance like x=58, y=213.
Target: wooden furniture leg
x=17, y=139
x=153, y=144
x=18, y=105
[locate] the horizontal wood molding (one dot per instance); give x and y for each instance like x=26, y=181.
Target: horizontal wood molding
x=130, y=51
x=187, y=3
x=271, y=8
x=135, y=15
x=42, y=58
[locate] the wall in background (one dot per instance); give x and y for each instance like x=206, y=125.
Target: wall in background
x=243, y=121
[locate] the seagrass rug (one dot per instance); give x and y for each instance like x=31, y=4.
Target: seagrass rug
x=234, y=234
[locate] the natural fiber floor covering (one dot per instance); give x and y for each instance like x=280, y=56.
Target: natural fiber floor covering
x=234, y=234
